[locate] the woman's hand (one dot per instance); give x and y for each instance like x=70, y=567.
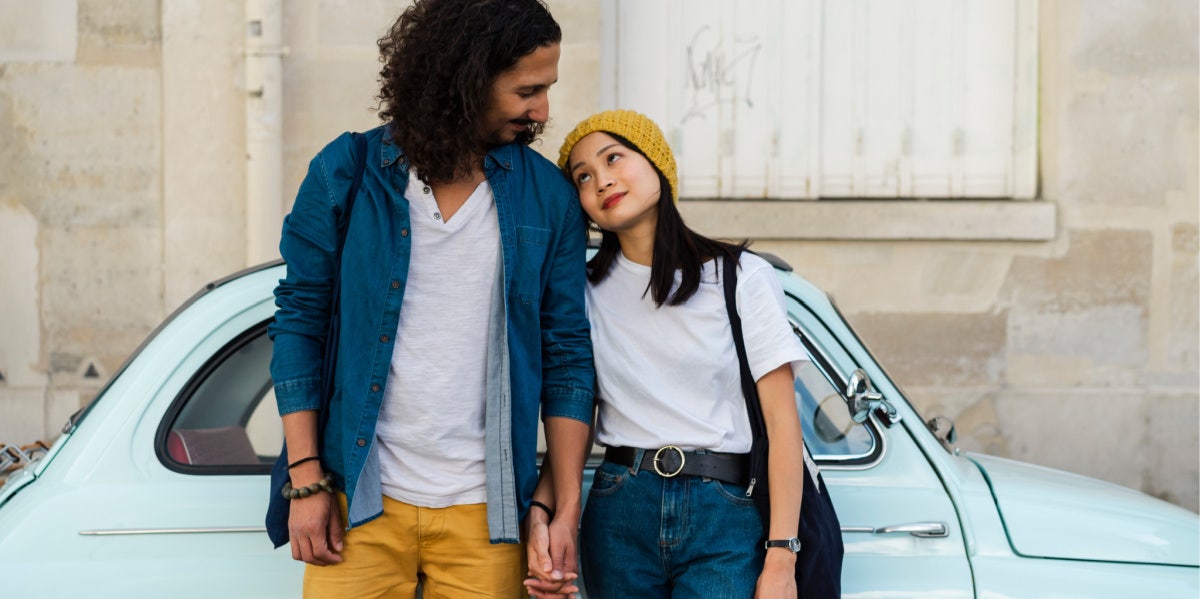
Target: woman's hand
x=550, y=575
x=778, y=578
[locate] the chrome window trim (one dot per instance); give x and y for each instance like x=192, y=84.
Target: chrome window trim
x=830, y=369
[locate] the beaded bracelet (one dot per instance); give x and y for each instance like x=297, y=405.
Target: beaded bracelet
x=536, y=503
x=325, y=484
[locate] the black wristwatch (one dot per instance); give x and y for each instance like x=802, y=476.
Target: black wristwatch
x=792, y=544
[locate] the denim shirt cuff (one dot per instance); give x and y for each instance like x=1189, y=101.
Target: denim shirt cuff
x=297, y=395
x=568, y=403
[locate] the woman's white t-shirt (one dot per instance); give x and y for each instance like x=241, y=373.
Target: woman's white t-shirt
x=669, y=375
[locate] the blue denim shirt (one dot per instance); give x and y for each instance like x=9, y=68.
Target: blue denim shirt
x=539, y=344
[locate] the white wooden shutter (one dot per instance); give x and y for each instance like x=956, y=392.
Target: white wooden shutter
x=833, y=98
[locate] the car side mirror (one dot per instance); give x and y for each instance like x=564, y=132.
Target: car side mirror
x=862, y=399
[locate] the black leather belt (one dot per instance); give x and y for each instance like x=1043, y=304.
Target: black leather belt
x=671, y=461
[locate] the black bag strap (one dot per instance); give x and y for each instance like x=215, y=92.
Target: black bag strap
x=819, y=564
x=329, y=361
x=758, y=488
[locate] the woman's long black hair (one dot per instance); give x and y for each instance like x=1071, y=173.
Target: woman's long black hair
x=676, y=247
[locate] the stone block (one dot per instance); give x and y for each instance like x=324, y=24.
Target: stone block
x=20, y=319
x=104, y=287
x=1106, y=337
x=126, y=32
x=1130, y=39
x=1173, y=449
x=1100, y=268
x=89, y=152
x=38, y=32
x=931, y=350
x=1183, y=342
x=1130, y=141
x=204, y=201
x=22, y=415
x=355, y=22
x=1095, y=433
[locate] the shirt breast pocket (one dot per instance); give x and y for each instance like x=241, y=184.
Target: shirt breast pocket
x=532, y=245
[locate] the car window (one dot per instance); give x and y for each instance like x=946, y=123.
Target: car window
x=225, y=420
x=830, y=433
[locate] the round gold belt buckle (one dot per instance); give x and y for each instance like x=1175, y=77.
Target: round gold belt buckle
x=658, y=460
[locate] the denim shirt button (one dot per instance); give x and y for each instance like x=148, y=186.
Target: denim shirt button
x=362, y=442
x=395, y=284
x=404, y=232
x=383, y=338
x=375, y=388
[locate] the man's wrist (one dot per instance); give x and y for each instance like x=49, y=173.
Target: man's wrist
x=306, y=474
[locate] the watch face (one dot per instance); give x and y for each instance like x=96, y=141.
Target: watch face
x=794, y=545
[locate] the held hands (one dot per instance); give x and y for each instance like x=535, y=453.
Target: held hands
x=778, y=578
x=550, y=547
x=315, y=525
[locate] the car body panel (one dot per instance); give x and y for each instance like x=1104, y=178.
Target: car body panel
x=1056, y=514
x=898, y=488
x=105, y=514
x=108, y=486
x=1006, y=578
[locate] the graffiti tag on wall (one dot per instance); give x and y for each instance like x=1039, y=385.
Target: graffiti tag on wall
x=719, y=73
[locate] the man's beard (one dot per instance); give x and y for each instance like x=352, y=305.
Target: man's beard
x=532, y=131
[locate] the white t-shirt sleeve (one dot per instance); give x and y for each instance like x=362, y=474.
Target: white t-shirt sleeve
x=770, y=341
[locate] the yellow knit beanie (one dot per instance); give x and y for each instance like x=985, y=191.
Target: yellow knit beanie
x=635, y=127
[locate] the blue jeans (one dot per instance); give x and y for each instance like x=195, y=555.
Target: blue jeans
x=684, y=537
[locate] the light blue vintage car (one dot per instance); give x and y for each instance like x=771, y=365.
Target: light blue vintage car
x=158, y=488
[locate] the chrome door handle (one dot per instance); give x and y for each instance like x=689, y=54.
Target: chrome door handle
x=110, y=532
x=923, y=530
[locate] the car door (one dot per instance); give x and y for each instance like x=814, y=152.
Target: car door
x=901, y=531
x=161, y=490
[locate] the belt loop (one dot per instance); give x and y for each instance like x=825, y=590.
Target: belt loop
x=638, y=454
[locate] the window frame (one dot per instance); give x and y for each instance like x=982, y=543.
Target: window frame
x=837, y=378
x=187, y=393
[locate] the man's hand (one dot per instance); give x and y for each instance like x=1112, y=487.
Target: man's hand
x=549, y=574
x=315, y=527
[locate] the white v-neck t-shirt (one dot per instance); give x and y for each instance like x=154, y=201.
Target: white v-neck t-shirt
x=669, y=375
x=431, y=425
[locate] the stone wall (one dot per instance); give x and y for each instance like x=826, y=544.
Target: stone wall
x=1080, y=352
x=123, y=190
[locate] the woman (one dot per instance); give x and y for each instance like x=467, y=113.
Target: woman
x=669, y=514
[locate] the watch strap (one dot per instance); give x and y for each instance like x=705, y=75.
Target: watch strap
x=792, y=544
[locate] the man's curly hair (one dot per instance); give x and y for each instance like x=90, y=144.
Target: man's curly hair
x=440, y=59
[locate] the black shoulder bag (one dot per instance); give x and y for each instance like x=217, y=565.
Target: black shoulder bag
x=819, y=563
x=279, y=508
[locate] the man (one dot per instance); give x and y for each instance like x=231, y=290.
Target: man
x=462, y=313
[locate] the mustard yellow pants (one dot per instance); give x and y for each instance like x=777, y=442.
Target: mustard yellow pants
x=446, y=550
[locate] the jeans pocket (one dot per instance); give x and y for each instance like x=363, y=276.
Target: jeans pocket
x=608, y=480
x=734, y=494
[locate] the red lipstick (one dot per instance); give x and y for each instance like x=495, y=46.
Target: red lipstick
x=612, y=199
